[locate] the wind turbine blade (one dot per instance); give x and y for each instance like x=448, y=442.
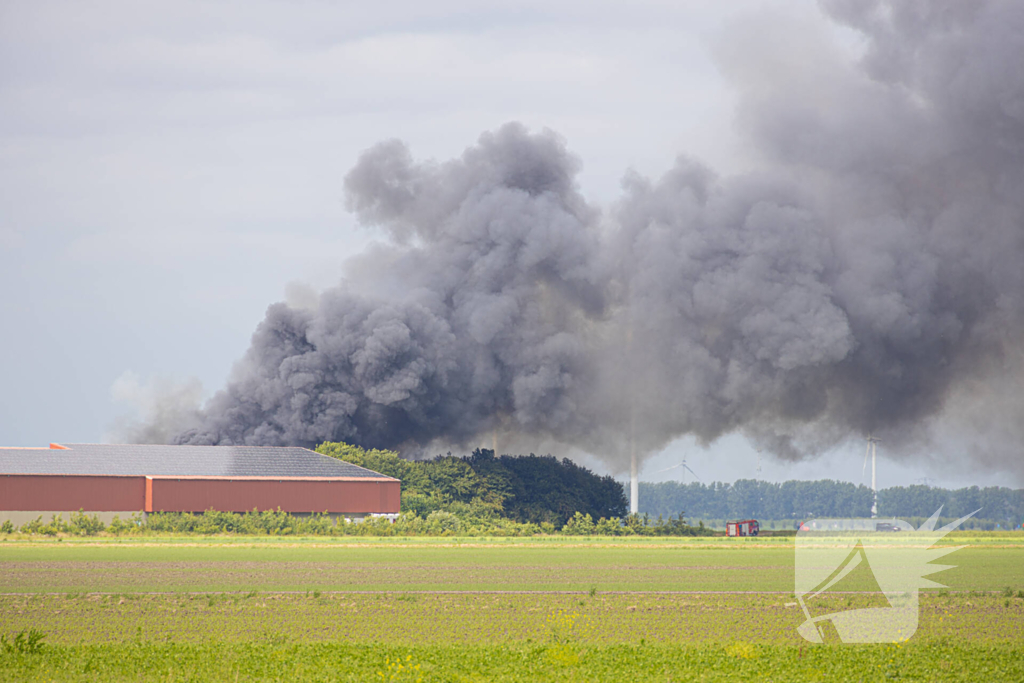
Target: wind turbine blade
x=692, y=472
x=667, y=469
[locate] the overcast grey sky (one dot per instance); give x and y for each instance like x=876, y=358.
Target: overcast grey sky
x=168, y=169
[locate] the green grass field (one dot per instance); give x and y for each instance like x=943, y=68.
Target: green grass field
x=590, y=609
x=446, y=564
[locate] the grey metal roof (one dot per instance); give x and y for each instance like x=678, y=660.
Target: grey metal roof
x=195, y=461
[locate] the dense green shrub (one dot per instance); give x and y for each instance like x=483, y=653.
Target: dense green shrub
x=81, y=524
x=119, y=527
x=579, y=525
x=526, y=489
x=461, y=519
x=55, y=526
x=85, y=525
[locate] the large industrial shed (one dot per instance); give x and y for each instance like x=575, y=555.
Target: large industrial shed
x=124, y=479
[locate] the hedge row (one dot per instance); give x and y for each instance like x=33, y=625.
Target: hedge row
x=460, y=522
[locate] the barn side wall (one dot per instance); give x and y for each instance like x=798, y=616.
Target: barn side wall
x=242, y=495
x=54, y=493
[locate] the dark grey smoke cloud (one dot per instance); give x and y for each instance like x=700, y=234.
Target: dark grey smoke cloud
x=474, y=318
x=865, y=279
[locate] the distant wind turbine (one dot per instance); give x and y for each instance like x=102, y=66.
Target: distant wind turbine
x=686, y=468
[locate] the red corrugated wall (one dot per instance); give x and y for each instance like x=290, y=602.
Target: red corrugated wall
x=66, y=493
x=241, y=495
x=57, y=493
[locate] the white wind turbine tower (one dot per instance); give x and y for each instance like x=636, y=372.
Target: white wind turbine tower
x=873, y=452
x=634, y=466
x=634, y=484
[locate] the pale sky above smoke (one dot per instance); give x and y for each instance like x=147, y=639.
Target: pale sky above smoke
x=169, y=171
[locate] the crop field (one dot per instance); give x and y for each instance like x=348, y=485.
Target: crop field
x=408, y=609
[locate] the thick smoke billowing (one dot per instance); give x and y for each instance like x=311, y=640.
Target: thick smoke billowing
x=867, y=278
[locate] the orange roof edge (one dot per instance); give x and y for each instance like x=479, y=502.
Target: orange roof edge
x=57, y=446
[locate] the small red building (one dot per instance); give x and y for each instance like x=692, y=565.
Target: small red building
x=125, y=478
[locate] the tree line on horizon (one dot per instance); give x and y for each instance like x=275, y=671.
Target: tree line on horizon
x=524, y=488
x=800, y=500
x=543, y=489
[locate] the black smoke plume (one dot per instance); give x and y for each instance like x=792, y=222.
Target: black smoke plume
x=865, y=278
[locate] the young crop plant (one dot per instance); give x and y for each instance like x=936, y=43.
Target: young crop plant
x=28, y=642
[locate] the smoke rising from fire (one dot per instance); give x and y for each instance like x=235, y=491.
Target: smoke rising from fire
x=865, y=278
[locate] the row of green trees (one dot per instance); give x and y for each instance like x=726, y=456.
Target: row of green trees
x=798, y=500
x=639, y=525
x=462, y=520
x=527, y=489
x=997, y=503
x=758, y=499
x=465, y=520
x=79, y=524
